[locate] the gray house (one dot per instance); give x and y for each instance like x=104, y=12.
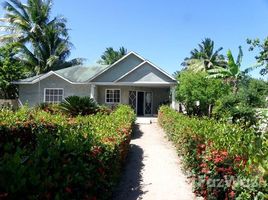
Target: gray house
x=131, y=80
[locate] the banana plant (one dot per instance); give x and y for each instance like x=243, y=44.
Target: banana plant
x=232, y=73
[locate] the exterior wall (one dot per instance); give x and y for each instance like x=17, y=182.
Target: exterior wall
x=146, y=73
x=160, y=95
x=29, y=93
x=13, y=103
x=119, y=69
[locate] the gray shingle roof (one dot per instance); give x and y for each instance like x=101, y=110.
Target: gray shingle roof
x=80, y=73
x=77, y=74
x=30, y=79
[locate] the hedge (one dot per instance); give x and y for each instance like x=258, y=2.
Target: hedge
x=224, y=160
x=51, y=156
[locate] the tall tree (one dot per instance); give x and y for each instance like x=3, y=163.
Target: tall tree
x=110, y=55
x=44, y=42
x=204, y=57
x=262, y=57
x=10, y=70
x=232, y=73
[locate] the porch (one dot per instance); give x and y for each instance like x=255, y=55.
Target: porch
x=145, y=100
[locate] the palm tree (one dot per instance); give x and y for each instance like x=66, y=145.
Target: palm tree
x=110, y=56
x=204, y=58
x=232, y=73
x=44, y=43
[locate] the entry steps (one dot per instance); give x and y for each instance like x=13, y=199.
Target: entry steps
x=146, y=120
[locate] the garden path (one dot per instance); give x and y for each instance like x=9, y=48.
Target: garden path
x=153, y=170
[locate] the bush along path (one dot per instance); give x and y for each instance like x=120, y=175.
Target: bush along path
x=152, y=170
x=53, y=156
x=225, y=160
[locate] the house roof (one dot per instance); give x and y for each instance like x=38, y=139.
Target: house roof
x=80, y=73
x=124, y=57
x=75, y=74
x=84, y=75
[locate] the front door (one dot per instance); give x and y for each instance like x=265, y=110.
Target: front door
x=140, y=104
x=148, y=103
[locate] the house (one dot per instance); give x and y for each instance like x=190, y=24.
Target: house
x=131, y=80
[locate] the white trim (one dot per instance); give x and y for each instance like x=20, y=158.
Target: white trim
x=20, y=103
x=136, y=83
x=92, y=91
x=129, y=72
x=44, y=99
x=46, y=76
x=106, y=96
x=123, y=58
x=173, y=96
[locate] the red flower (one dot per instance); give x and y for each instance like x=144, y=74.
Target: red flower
x=238, y=159
x=68, y=190
x=218, y=159
x=220, y=169
x=203, y=165
x=101, y=171
x=224, y=153
x=96, y=151
x=3, y=195
x=232, y=194
x=205, y=170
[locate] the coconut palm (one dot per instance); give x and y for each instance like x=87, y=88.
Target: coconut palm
x=44, y=42
x=232, y=73
x=50, y=53
x=204, y=58
x=110, y=56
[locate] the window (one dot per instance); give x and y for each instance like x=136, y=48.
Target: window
x=112, y=96
x=53, y=95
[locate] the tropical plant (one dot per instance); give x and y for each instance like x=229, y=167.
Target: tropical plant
x=241, y=107
x=232, y=73
x=224, y=160
x=262, y=57
x=75, y=105
x=10, y=70
x=44, y=42
x=53, y=156
x=195, y=87
x=204, y=57
x=110, y=56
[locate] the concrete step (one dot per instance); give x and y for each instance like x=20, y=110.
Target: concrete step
x=146, y=120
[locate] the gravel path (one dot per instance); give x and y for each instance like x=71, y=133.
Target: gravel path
x=152, y=171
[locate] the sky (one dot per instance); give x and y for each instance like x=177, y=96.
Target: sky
x=163, y=32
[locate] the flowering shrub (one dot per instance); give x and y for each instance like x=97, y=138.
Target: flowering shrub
x=224, y=160
x=52, y=156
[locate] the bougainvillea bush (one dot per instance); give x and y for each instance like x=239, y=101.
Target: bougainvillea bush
x=52, y=156
x=225, y=161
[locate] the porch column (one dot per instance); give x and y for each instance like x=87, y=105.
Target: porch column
x=92, y=92
x=173, y=93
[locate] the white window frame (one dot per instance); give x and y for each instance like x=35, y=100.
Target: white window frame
x=113, y=99
x=45, y=89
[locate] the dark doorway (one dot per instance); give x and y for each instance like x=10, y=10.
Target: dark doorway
x=140, y=107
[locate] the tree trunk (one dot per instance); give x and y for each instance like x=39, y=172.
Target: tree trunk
x=235, y=87
x=210, y=106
